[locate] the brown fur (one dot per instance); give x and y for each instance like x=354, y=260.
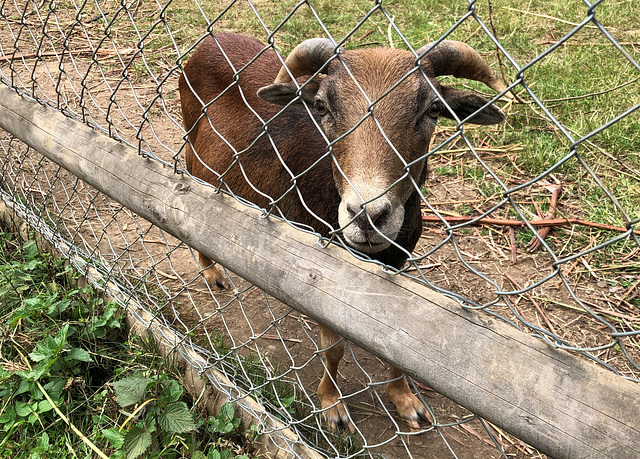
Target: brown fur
x=235, y=122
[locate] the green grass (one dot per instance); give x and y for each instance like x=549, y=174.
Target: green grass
x=68, y=369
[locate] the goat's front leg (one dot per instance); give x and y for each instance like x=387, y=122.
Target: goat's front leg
x=409, y=407
x=214, y=277
x=335, y=411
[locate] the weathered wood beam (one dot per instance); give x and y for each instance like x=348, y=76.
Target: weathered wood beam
x=557, y=402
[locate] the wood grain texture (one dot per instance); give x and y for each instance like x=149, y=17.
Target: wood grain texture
x=561, y=404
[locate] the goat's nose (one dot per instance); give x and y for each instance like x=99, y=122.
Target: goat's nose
x=375, y=212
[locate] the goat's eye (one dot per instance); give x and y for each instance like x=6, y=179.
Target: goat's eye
x=434, y=110
x=320, y=108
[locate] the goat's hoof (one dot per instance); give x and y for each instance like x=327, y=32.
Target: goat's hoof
x=412, y=410
x=216, y=279
x=338, y=417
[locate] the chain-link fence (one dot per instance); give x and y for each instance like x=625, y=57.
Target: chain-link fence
x=531, y=222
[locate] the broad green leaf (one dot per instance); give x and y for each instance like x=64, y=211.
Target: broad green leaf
x=31, y=265
x=286, y=402
x=116, y=439
x=25, y=386
x=110, y=310
x=33, y=303
x=214, y=424
x=25, y=409
x=43, y=441
x=58, y=307
x=136, y=442
x=97, y=332
x=44, y=406
x=30, y=250
x=61, y=337
x=39, y=369
x=49, y=347
x=176, y=418
x=9, y=415
x=217, y=454
x=173, y=392
x=130, y=390
x=42, y=351
x=55, y=387
x=227, y=411
x=79, y=354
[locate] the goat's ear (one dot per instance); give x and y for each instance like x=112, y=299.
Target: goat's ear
x=283, y=93
x=465, y=103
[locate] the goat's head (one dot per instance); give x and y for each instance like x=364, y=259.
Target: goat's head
x=378, y=110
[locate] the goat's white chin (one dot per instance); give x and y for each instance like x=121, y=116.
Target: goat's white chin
x=368, y=247
x=371, y=240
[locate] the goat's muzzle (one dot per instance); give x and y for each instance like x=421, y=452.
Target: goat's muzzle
x=372, y=226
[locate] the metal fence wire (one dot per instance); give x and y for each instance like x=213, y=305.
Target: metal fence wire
x=533, y=221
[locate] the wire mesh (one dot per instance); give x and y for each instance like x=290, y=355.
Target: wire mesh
x=569, y=157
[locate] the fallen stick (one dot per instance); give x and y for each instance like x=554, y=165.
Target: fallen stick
x=535, y=303
x=512, y=243
x=535, y=243
x=74, y=52
x=521, y=224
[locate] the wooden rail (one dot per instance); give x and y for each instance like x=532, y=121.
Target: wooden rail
x=557, y=402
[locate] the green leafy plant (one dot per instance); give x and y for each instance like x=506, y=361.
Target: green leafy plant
x=162, y=413
x=159, y=418
x=62, y=348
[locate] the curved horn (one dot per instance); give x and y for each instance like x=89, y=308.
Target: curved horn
x=306, y=58
x=462, y=61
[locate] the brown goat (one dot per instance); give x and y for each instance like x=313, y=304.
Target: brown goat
x=358, y=177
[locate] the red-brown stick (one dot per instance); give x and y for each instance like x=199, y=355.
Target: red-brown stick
x=520, y=223
x=556, y=191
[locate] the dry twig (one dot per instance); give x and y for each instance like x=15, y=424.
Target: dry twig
x=535, y=303
x=512, y=243
x=477, y=435
x=280, y=338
